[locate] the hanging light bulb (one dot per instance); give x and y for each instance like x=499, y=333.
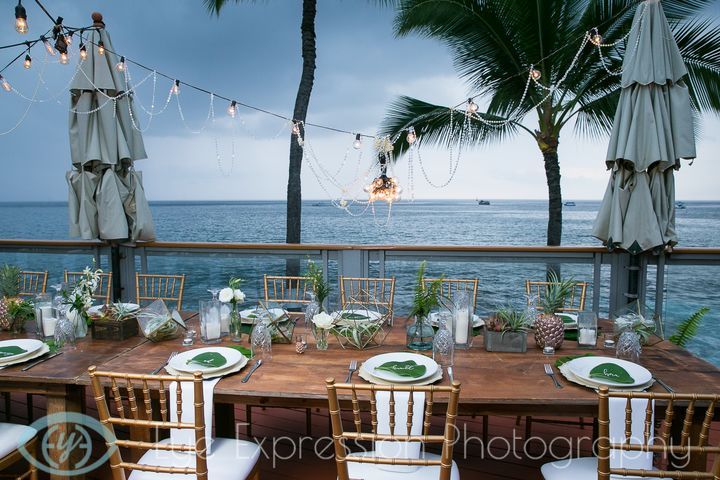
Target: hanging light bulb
x=357, y=144
x=383, y=187
x=64, y=59
x=472, y=107
x=83, y=51
x=411, y=136
x=5, y=85
x=28, y=61
x=68, y=39
x=121, y=65
x=175, y=89
x=296, y=128
x=48, y=46
x=595, y=37
x=535, y=74
x=232, y=109
x=101, y=48
x=21, y=24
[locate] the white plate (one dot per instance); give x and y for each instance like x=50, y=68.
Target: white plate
x=28, y=344
x=179, y=362
x=220, y=373
x=362, y=373
x=97, y=309
x=26, y=358
x=477, y=321
x=581, y=368
x=370, y=314
x=370, y=364
x=249, y=315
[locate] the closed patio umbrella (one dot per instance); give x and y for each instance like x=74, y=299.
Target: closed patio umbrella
x=106, y=199
x=653, y=130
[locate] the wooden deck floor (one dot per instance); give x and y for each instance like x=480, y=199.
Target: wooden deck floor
x=298, y=456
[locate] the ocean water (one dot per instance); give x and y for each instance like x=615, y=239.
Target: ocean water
x=423, y=222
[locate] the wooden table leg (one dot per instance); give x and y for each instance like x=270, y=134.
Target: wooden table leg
x=67, y=400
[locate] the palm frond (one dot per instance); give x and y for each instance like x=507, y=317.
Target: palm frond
x=214, y=6
x=688, y=328
x=699, y=43
x=434, y=125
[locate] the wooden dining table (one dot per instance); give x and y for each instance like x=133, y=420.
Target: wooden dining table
x=492, y=383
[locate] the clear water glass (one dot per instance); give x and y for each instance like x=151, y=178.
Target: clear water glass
x=587, y=329
x=628, y=346
x=65, y=333
x=261, y=339
x=214, y=292
x=43, y=308
x=312, y=309
x=444, y=343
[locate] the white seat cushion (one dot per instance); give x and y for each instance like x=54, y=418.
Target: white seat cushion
x=11, y=434
x=369, y=471
x=575, y=469
x=230, y=459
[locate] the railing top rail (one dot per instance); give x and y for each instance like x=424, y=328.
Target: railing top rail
x=315, y=246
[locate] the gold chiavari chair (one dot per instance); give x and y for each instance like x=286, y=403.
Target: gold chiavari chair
x=124, y=400
x=575, y=302
x=376, y=293
x=32, y=283
x=452, y=285
x=366, y=464
x=285, y=289
x=150, y=287
x=103, y=292
x=640, y=438
x=11, y=435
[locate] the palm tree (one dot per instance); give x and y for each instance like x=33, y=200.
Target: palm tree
x=494, y=43
x=302, y=100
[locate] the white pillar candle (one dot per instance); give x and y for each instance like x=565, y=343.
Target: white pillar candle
x=225, y=318
x=212, y=330
x=48, y=325
x=587, y=336
x=462, y=318
x=46, y=311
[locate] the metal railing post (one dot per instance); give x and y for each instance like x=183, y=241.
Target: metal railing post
x=353, y=263
x=127, y=273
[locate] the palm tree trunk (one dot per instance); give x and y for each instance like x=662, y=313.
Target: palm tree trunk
x=552, y=174
x=302, y=100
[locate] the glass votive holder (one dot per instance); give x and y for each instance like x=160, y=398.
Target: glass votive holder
x=43, y=309
x=462, y=328
x=210, y=324
x=587, y=329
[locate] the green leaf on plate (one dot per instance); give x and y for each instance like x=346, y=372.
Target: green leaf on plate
x=11, y=351
x=208, y=359
x=245, y=351
x=252, y=315
x=613, y=372
x=407, y=368
x=563, y=360
x=353, y=316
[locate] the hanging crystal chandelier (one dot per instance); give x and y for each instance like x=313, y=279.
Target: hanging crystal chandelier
x=383, y=187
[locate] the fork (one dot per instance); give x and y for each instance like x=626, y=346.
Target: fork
x=549, y=372
x=351, y=369
x=157, y=370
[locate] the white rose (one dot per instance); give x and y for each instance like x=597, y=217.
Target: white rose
x=226, y=294
x=322, y=320
x=239, y=295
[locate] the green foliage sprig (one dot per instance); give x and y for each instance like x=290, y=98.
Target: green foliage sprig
x=426, y=297
x=688, y=328
x=319, y=286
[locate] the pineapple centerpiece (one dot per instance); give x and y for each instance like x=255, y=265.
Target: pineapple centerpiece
x=9, y=288
x=549, y=327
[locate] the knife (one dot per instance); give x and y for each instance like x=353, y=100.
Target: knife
x=450, y=374
x=255, y=367
x=664, y=385
x=38, y=362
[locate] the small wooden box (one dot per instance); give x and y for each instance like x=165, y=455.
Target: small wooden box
x=104, y=329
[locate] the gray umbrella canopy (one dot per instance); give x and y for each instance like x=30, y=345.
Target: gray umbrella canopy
x=653, y=130
x=106, y=198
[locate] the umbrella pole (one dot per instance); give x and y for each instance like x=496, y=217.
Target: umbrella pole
x=116, y=277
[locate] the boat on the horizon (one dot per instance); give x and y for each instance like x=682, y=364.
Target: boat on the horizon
x=483, y=202
x=680, y=206
x=569, y=204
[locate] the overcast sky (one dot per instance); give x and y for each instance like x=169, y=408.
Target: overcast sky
x=252, y=53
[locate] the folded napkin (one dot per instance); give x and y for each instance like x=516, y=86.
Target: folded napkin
x=623, y=459
x=187, y=436
x=393, y=449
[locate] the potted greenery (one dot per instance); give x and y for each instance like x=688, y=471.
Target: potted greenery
x=507, y=331
x=549, y=327
x=420, y=333
x=320, y=288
